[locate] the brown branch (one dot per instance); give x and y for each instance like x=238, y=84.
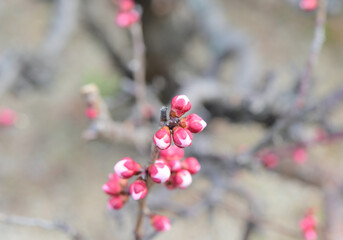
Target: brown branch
x=41, y=223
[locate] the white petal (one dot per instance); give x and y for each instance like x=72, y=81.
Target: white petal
x=184, y=97
x=166, y=226
x=186, y=142
x=163, y=174
x=136, y=196
x=186, y=179
x=203, y=123
x=119, y=168
x=160, y=143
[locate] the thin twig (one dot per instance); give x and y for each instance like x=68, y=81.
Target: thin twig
x=139, y=67
x=316, y=47
x=260, y=221
x=332, y=204
x=41, y=223
x=142, y=203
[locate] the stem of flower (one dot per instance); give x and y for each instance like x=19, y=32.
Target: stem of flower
x=142, y=203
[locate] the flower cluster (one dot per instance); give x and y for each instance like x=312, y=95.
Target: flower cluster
x=116, y=188
x=180, y=129
x=181, y=171
x=168, y=169
x=127, y=13
x=167, y=166
x=308, y=226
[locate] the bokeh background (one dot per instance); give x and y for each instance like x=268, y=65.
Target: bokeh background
x=48, y=171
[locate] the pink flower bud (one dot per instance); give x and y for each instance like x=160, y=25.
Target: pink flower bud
x=159, y=172
x=126, y=5
x=126, y=168
x=300, y=155
x=114, y=185
x=160, y=160
x=320, y=134
x=310, y=235
x=175, y=165
x=308, y=222
x=7, y=117
x=160, y=223
x=91, y=113
x=183, y=179
x=138, y=189
x=162, y=138
x=270, y=160
x=171, y=184
x=117, y=202
x=172, y=153
x=125, y=19
x=308, y=5
x=180, y=105
x=193, y=123
x=192, y=165
x=308, y=226
x=182, y=137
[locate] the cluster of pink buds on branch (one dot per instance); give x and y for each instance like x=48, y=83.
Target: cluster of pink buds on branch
x=116, y=188
x=165, y=167
x=127, y=13
x=180, y=129
x=308, y=226
x=181, y=171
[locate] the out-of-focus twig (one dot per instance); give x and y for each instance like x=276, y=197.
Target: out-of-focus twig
x=98, y=31
x=316, y=47
x=64, y=21
x=327, y=103
x=103, y=125
x=41, y=223
x=332, y=203
x=225, y=41
x=22, y=69
x=139, y=68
